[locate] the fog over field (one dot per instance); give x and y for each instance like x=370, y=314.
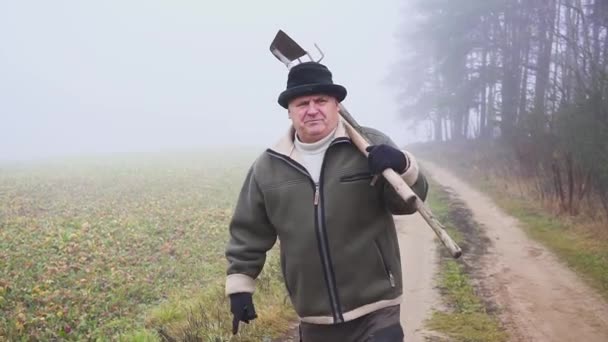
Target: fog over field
x=82, y=78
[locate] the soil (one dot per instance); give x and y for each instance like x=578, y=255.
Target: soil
x=419, y=260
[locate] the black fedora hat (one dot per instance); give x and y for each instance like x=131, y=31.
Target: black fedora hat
x=309, y=78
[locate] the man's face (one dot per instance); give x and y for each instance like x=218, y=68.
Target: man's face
x=314, y=116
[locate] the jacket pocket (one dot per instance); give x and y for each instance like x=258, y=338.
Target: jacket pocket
x=356, y=177
x=387, y=269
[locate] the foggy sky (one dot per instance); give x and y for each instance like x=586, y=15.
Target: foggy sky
x=82, y=77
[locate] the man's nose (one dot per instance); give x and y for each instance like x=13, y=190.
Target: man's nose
x=312, y=108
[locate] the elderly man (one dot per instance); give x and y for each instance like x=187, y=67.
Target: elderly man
x=339, y=251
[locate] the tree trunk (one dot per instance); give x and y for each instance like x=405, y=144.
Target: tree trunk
x=458, y=125
x=483, y=97
x=556, y=64
x=570, y=171
x=543, y=67
x=557, y=181
x=438, y=131
x=523, y=98
x=511, y=71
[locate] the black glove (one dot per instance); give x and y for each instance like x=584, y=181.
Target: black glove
x=241, y=306
x=382, y=157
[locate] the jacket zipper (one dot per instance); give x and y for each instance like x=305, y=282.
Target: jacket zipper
x=333, y=289
x=320, y=229
x=387, y=269
x=333, y=292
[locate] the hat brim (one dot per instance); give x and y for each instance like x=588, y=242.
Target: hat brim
x=335, y=90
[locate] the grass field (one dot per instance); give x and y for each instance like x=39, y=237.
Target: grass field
x=125, y=248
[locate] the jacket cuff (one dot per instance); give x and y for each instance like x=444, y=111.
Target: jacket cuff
x=239, y=282
x=411, y=174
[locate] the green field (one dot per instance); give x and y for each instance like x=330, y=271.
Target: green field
x=125, y=248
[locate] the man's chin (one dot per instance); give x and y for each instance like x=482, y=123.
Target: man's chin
x=314, y=123
x=316, y=127
x=316, y=130
x=317, y=134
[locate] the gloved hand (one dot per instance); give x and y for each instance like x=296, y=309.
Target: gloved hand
x=382, y=157
x=241, y=306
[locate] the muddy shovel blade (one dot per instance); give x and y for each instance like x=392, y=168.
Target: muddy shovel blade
x=286, y=49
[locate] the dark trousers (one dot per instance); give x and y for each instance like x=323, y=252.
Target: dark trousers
x=379, y=326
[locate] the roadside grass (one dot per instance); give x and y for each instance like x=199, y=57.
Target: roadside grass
x=125, y=248
x=465, y=318
x=438, y=201
x=581, y=251
x=467, y=321
x=580, y=241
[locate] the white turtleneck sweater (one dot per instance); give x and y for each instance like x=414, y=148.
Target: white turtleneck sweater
x=312, y=154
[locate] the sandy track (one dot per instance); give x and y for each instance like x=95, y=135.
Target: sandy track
x=419, y=261
x=540, y=299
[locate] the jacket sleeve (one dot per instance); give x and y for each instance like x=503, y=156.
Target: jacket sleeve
x=251, y=236
x=412, y=177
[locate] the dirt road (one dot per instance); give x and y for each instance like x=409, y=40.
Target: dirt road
x=419, y=263
x=539, y=298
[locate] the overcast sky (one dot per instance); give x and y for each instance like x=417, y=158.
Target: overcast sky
x=81, y=77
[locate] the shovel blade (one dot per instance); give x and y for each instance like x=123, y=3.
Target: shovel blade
x=286, y=49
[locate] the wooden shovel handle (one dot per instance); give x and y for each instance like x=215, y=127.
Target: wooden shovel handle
x=406, y=193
